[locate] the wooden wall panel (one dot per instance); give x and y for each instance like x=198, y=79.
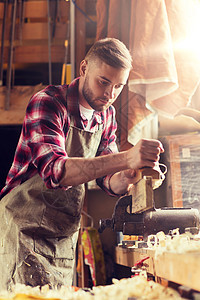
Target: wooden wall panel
x=35, y=31
x=31, y=34
x=38, y=9
x=37, y=54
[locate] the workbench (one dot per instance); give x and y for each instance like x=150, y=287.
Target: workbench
x=181, y=268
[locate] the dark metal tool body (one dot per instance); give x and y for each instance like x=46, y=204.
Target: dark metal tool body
x=151, y=221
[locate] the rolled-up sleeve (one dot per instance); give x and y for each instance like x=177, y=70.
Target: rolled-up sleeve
x=45, y=137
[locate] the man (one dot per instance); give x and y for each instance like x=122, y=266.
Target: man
x=68, y=138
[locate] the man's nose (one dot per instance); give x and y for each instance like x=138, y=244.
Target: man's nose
x=110, y=92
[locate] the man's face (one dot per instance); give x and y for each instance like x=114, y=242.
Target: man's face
x=102, y=85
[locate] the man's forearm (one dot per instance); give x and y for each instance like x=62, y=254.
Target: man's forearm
x=81, y=170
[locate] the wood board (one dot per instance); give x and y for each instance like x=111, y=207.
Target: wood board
x=142, y=190
x=19, y=98
x=181, y=268
x=142, y=195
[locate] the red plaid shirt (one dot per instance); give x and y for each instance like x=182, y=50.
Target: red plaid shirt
x=41, y=147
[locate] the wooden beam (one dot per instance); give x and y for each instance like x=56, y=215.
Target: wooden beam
x=19, y=98
x=38, y=54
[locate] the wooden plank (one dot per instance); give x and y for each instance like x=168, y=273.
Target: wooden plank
x=38, y=9
x=37, y=54
x=43, y=42
x=144, y=172
x=7, y=27
x=36, y=31
x=142, y=195
x=128, y=257
x=35, y=9
x=181, y=268
x=19, y=98
x=1, y=10
x=142, y=190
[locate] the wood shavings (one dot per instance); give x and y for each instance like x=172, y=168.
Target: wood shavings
x=137, y=286
x=177, y=243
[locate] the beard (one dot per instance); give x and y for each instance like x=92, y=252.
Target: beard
x=95, y=103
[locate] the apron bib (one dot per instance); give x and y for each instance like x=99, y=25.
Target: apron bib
x=39, y=226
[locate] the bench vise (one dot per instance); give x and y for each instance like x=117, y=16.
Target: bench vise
x=151, y=221
x=135, y=214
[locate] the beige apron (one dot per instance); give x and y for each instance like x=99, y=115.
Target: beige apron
x=39, y=226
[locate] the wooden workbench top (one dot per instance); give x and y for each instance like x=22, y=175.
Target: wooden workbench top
x=19, y=98
x=181, y=268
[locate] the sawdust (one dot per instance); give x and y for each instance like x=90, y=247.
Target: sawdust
x=122, y=289
x=176, y=243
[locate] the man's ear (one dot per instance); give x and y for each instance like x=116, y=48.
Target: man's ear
x=83, y=67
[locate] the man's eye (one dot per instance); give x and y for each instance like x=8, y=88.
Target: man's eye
x=118, y=86
x=102, y=82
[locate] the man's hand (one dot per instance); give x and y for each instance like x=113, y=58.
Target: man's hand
x=146, y=153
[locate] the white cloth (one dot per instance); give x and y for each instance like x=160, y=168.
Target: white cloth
x=87, y=114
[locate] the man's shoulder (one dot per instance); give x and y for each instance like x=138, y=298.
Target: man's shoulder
x=57, y=93
x=50, y=99
x=55, y=90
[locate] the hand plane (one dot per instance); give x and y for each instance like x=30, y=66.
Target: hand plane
x=135, y=214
